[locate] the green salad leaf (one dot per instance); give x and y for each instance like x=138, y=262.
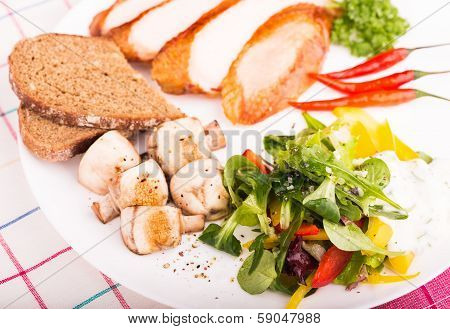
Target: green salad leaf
x=258, y=247
x=351, y=271
x=261, y=278
x=351, y=238
x=377, y=172
x=312, y=122
x=323, y=201
x=286, y=238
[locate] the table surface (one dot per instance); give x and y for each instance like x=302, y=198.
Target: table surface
x=38, y=269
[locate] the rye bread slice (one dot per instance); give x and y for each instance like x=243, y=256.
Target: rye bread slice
x=85, y=82
x=53, y=142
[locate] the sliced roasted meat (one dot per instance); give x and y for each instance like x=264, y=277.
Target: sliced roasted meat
x=142, y=38
x=176, y=143
x=202, y=58
x=121, y=12
x=143, y=185
x=197, y=189
x=275, y=65
x=150, y=229
x=170, y=68
x=110, y=155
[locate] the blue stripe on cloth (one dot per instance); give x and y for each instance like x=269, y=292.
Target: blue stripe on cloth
x=97, y=295
x=26, y=7
x=8, y=112
x=15, y=220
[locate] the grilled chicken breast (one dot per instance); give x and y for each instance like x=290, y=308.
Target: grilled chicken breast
x=275, y=65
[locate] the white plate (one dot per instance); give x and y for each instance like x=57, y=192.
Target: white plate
x=422, y=123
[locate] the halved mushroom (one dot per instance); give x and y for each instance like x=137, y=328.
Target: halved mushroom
x=150, y=229
x=110, y=155
x=197, y=189
x=176, y=143
x=142, y=185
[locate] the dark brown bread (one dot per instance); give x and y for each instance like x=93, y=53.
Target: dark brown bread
x=85, y=82
x=54, y=142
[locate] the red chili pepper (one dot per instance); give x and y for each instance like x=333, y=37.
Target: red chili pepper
x=371, y=98
x=307, y=229
x=257, y=161
x=331, y=265
x=389, y=82
x=378, y=63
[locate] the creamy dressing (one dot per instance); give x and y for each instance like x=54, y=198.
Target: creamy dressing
x=424, y=191
x=126, y=11
x=218, y=44
x=160, y=25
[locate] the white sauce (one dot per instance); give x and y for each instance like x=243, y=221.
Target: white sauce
x=162, y=24
x=126, y=11
x=424, y=191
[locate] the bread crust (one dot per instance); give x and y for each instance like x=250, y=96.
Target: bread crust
x=170, y=68
x=241, y=109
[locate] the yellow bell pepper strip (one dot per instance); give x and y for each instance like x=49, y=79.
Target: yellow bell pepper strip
x=375, y=137
x=364, y=146
x=322, y=235
x=270, y=242
x=275, y=211
x=300, y=293
x=380, y=279
x=401, y=263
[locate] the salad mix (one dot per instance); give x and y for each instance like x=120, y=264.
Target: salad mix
x=315, y=208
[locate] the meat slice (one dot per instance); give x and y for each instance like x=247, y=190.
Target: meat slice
x=275, y=65
x=170, y=68
x=121, y=12
x=198, y=61
x=142, y=38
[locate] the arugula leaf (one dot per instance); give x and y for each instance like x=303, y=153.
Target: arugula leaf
x=317, y=160
x=286, y=238
x=323, y=201
x=380, y=210
x=351, y=238
x=258, y=247
x=275, y=144
x=349, y=210
x=351, y=271
x=261, y=278
x=377, y=172
x=312, y=122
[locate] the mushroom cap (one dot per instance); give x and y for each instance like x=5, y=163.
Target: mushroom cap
x=110, y=155
x=177, y=143
x=197, y=189
x=149, y=229
x=142, y=185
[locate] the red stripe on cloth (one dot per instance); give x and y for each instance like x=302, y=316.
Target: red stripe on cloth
x=427, y=296
x=8, y=124
x=37, y=265
x=116, y=291
x=24, y=276
x=14, y=20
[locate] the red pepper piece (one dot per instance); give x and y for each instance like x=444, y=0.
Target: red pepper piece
x=378, y=63
x=333, y=262
x=307, y=229
x=389, y=82
x=371, y=98
x=257, y=161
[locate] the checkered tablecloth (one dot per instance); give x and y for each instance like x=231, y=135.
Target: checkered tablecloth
x=37, y=267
